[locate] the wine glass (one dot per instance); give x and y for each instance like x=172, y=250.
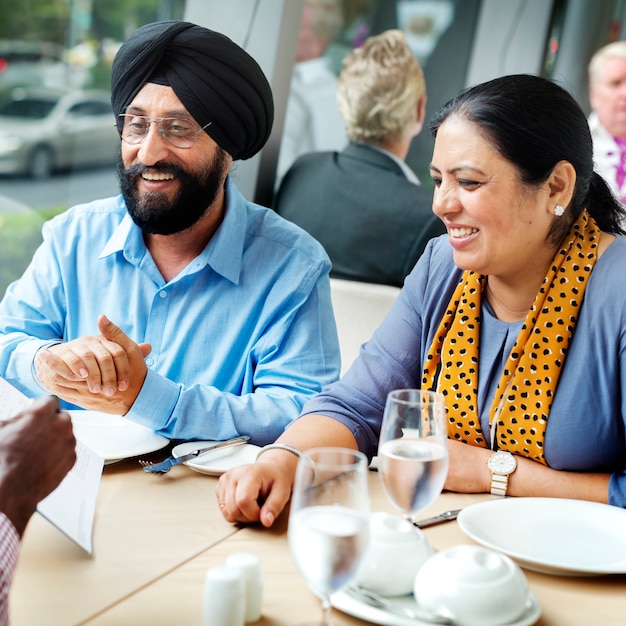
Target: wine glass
x=413, y=449
x=329, y=520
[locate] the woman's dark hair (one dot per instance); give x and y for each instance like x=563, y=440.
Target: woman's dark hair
x=534, y=123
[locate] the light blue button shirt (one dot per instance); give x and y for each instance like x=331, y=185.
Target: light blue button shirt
x=240, y=338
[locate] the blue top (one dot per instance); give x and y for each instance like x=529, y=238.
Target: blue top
x=586, y=426
x=240, y=338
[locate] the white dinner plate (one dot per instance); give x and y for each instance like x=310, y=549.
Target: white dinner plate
x=357, y=608
x=551, y=535
x=217, y=462
x=114, y=437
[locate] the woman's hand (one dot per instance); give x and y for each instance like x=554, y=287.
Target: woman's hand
x=255, y=493
x=259, y=492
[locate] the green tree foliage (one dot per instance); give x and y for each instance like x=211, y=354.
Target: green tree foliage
x=20, y=234
x=49, y=20
x=38, y=20
x=118, y=18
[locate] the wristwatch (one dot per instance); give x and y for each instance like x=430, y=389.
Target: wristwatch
x=502, y=464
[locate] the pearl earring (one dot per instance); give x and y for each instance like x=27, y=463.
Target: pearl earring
x=559, y=210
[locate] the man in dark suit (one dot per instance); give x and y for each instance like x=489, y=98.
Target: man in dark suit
x=364, y=204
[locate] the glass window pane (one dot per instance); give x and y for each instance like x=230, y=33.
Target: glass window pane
x=58, y=145
x=440, y=33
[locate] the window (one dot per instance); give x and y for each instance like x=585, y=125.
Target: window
x=49, y=48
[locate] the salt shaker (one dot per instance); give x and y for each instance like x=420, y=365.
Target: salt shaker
x=224, y=602
x=250, y=567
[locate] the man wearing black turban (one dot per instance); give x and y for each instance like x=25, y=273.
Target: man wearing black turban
x=219, y=85
x=224, y=312
x=217, y=82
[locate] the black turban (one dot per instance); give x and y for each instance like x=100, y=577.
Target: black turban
x=215, y=79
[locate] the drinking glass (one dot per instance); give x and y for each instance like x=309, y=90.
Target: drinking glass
x=413, y=449
x=329, y=520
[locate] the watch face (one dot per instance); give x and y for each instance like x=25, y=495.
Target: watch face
x=502, y=463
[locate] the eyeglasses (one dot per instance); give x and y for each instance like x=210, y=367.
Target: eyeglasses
x=178, y=132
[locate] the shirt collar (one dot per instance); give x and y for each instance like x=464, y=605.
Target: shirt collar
x=223, y=253
x=117, y=241
x=597, y=127
x=409, y=174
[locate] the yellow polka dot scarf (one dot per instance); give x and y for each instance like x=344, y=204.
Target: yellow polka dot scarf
x=521, y=406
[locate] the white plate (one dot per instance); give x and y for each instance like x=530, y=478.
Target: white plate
x=352, y=606
x=114, y=437
x=551, y=535
x=219, y=461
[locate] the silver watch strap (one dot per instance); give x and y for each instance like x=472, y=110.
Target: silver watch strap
x=499, y=484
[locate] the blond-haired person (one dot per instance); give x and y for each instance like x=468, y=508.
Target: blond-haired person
x=364, y=204
x=607, y=96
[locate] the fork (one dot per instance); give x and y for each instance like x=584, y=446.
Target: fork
x=165, y=465
x=146, y=463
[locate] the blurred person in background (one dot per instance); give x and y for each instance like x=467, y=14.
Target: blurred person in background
x=312, y=120
x=607, y=121
x=364, y=204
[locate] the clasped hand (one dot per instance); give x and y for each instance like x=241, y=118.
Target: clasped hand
x=103, y=372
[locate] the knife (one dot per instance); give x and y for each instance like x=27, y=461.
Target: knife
x=165, y=465
x=446, y=516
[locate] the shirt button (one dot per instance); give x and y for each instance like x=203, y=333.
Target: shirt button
x=162, y=294
x=149, y=361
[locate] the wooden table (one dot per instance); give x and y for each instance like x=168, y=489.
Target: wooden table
x=155, y=537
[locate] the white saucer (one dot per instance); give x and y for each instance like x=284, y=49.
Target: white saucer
x=357, y=608
x=218, y=461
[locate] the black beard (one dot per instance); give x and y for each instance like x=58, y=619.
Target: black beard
x=154, y=213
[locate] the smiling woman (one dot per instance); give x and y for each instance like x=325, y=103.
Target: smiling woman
x=502, y=317
x=495, y=222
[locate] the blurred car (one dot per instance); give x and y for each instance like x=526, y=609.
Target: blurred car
x=33, y=63
x=45, y=130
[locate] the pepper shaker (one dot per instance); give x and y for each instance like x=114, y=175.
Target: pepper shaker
x=250, y=567
x=224, y=602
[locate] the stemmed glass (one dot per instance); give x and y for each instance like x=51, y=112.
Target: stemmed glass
x=329, y=520
x=413, y=449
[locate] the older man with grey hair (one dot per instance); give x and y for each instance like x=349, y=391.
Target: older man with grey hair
x=607, y=95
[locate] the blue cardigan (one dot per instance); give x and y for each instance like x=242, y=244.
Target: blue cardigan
x=587, y=423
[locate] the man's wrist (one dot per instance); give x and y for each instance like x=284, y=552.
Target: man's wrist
x=33, y=365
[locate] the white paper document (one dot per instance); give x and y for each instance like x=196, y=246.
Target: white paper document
x=71, y=507
x=12, y=401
